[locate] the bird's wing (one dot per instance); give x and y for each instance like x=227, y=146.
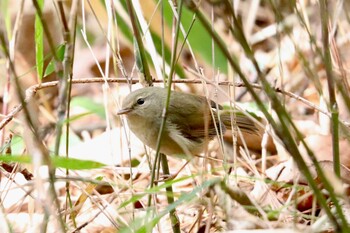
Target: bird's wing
x=198, y=118
x=245, y=123
x=193, y=118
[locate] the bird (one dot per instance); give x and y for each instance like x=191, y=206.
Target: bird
x=191, y=121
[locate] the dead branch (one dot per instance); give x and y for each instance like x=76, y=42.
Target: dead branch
x=31, y=91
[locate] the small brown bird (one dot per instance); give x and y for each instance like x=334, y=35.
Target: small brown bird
x=191, y=121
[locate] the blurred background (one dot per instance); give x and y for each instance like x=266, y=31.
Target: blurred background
x=301, y=48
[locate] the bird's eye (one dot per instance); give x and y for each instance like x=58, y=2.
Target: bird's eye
x=140, y=101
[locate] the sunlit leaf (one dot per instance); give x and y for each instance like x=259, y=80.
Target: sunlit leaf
x=51, y=66
x=57, y=161
x=90, y=105
x=39, y=43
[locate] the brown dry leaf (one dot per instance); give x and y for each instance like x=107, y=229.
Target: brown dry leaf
x=287, y=173
x=283, y=172
x=233, y=212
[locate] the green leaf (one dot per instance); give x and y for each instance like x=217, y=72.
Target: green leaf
x=88, y=104
x=75, y=164
x=199, y=39
x=57, y=161
x=142, y=224
x=6, y=16
x=51, y=66
x=153, y=190
x=77, y=117
x=18, y=159
x=17, y=145
x=39, y=43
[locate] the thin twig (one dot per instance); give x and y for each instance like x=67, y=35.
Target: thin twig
x=32, y=90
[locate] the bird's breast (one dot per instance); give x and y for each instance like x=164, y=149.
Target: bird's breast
x=145, y=129
x=173, y=141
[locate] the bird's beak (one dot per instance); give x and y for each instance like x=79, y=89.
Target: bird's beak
x=124, y=111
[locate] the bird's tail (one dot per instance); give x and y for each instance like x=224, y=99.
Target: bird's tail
x=252, y=128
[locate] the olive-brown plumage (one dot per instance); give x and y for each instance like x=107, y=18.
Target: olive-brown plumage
x=191, y=120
